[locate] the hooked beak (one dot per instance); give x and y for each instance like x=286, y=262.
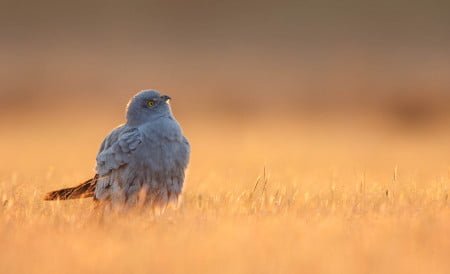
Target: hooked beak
x=165, y=98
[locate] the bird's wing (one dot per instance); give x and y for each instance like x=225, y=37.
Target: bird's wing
x=117, y=149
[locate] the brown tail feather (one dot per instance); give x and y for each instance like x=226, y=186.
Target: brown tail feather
x=84, y=190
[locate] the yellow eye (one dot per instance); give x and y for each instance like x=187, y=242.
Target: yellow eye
x=150, y=103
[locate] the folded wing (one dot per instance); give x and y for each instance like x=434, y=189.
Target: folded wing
x=117, y=149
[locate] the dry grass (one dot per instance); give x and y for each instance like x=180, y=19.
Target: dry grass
x=259, y=199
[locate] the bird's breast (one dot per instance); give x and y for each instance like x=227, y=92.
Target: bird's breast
x=163, y=152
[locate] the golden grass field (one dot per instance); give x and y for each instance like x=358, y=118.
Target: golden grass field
x=261, y=197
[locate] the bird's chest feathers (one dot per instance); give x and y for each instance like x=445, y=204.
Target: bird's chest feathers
x=162, y=147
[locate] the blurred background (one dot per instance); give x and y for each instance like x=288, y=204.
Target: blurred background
x=67, y=69
x=228, y=57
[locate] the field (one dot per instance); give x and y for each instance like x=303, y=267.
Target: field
x=262, y=196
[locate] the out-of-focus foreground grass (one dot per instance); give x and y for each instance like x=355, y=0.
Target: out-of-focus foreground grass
x=261, y=197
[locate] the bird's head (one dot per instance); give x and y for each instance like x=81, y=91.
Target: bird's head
x=146, y=106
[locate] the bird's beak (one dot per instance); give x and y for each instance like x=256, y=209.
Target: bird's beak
x=166, y=98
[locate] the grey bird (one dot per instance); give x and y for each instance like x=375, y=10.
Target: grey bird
x=140, y=162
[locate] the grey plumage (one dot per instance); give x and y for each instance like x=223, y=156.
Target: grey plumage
x=144, y=160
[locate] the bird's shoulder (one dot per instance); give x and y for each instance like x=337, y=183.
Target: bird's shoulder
x=120, y=133
x=111, y=138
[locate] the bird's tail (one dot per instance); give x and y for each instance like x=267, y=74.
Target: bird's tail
x=84, y=190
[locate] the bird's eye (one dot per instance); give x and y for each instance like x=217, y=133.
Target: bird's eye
x=150, y=103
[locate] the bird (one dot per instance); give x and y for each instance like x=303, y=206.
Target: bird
x=141, y=162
